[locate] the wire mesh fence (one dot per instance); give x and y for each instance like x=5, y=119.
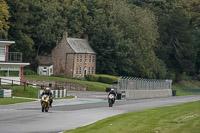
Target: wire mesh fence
x=131, y=83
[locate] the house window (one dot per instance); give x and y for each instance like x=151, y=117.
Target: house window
x=4, y=73
x=85, y=58
x=80, y=70
x=13, y=73
x=45, y=69
x=77, y=58
x=9, y=72
x=92, y=70
x=2, y=50
x=80, y=58
x=76, y=70
x=89, y=70
x=90, y=58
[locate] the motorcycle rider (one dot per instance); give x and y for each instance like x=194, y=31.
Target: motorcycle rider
x=112, y=91
x=48, y=92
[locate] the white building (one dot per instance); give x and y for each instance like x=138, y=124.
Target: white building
x=11, y=65
x=45, y=70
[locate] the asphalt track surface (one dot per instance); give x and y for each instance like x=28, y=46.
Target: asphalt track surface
x=67, y=114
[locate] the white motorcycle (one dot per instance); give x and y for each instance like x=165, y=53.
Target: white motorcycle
x=111, y=99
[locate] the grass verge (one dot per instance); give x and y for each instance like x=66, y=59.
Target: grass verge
x=183, y=118
x=68, y=97
x=91, y=86
x=19, y=91
x=6, y=101
x=187, y=88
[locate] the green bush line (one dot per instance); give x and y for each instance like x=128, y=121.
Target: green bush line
x=102, y=78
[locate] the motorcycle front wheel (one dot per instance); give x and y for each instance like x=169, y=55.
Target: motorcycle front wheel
x=43, y=107
x=110, y=103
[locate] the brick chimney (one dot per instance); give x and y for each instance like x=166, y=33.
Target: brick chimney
x=86, y=36
x=65, y=35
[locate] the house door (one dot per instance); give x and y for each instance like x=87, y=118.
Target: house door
x=85, y=71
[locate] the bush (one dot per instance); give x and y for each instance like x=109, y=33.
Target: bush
x=29, y=72
x=102, y=78
x=92, y=77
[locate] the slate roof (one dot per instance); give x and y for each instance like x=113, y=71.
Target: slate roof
x=80, y=45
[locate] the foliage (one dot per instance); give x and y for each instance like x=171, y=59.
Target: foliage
x=102, y=78
x=28, y=72
x=147, y=39
x=181, y=118
x=4, y=16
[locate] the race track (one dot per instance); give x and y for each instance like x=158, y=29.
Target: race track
x=67, y=114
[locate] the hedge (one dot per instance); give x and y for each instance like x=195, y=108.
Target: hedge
x=102, y=78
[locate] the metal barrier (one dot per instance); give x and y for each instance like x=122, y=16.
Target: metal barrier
x=131, y=83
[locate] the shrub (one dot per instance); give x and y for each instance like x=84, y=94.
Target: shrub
x=29, y=72
x=92, y=77
x=102, y=78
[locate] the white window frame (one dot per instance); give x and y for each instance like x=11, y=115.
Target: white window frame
x=76, y=70
x=93, y=58
x=85, y=58
x=77, y=58
x=80, y=70
x=80, y=58
x=2, y=50
x=90, y=58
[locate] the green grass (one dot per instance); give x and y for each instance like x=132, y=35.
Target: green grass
x=68, y=97
x=91, y=86
x=6, y=101
x=183, y=118
x=183, y=88
x=18, y=91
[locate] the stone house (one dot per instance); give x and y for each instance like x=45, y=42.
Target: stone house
x=73, y=57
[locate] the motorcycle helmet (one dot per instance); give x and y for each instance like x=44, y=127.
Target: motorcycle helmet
x=47, y=90
x=112, y=89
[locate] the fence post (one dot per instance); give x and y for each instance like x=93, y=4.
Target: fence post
x=24, y=86
x=0, y=81
x=12, y=82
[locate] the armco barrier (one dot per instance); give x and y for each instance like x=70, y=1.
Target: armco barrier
x=5, y=93
x=56, y=93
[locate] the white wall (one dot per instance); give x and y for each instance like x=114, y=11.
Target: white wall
x=46, y=72
x=140, y=94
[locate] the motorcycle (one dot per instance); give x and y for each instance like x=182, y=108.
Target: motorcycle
x=45, y=103
x=111, y=99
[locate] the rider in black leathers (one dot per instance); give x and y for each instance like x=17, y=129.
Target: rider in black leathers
x=48, y=92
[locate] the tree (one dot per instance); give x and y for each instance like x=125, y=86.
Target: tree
x=4, y=16
x=19, y=28
x=139, y=26
x=47, y=25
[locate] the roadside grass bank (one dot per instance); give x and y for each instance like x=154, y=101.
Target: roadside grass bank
x=6, y=101
x=91, y=86
x=18, y=91
x=68, y=97
x=183, y=88
x=183, y=118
